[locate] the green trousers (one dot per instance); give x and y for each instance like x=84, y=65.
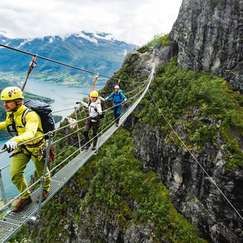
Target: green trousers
x=17, y=166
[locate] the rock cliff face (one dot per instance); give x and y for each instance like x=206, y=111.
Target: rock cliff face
x=210, y=37
x=191, y=190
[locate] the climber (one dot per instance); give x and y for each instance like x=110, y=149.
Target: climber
x=95, y=113
x=27, y=144
x=117, y=97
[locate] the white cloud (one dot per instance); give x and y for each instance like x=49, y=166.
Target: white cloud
x=135, y=21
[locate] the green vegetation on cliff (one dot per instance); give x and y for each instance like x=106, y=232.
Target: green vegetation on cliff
x=202, y=105
x=114, y=182
x=157, y=41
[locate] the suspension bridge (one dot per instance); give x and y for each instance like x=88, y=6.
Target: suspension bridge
x=65, y=169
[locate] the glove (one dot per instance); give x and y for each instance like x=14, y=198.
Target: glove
x=72, y=122
x=10, y=145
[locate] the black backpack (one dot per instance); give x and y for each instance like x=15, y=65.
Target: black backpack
x=44, y=111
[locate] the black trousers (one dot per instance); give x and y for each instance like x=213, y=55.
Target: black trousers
x=88, y=126
x=117, y=112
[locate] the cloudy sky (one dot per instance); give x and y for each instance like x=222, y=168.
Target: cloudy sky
x=135, y=21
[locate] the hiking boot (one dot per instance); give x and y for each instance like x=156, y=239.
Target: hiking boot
x=21, y=204
x=42, y=197
x=86, y=147
x=94, y=149
x=45, y=195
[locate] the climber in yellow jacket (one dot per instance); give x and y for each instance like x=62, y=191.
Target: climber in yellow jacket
x=29, y=143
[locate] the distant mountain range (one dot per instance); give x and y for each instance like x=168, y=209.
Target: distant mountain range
x=96, y=51
x=99, y=52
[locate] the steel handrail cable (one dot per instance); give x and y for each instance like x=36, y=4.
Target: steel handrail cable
x=29, y=173
x=68, y=125
x=39, y=180
x=56, y=130
x=63, y=127
x=105, y=111
x=109, y=125
x=70, y=134
x=124, y=102
x=48, y=133
x=63, y=151
x=142, y=84
x=83, y=146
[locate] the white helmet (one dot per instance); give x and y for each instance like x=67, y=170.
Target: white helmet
x=116, y=86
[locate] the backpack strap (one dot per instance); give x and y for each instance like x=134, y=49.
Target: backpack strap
x=93, y=106
x=121, y=97
x=120, y=92
x=23, y=118
x=11, y=117
x=12, y=127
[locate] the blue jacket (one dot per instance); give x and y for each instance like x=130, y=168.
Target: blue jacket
x=117, y=97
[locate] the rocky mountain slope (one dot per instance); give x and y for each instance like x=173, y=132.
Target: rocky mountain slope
x=210, y=37
x=97, y=51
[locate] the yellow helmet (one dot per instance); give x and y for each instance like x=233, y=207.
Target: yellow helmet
x=11, y=93
x=94, y=94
